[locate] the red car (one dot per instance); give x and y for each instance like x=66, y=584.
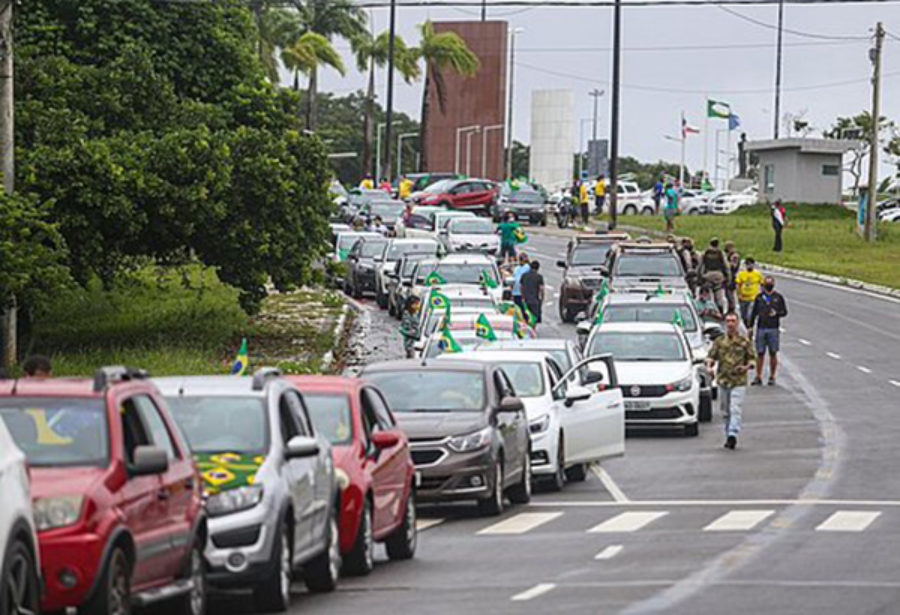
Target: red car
x=478, y=195
x=373, y=467
x=116, y=497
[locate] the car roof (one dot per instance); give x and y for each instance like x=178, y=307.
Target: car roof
x=638, y=327
x=454, y=259
x=651, y=247
x=468, y=321
x=535, y=344
x=645, y=298
x=210, y=386
x=505, y=356
x=424, y=365
x=308, y=383
x=463, y=291
x=601, y=238
x=50, y=387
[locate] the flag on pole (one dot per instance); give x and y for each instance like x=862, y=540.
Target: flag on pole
x=487, y=280
x=242, y=360
x=677, y=319
x=733, y=121
x=718, y=109
x=439, y=301
x=434, y=279
x=447, y=343
x=687, y=129
x=598, y=319
x=484, y=330
x=602, y=291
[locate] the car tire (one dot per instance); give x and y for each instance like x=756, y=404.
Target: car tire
x=112, y=596
x=195, y=601
x=381, y=299
x=693, y=212
x=692, y=430
x=558, y=480
x=274, y=594
x=705, y=412
x=20, y=590
x=544, y=221
x=577, y=474
x=401, y=543
x=360, y=560
x=629, y=210
x=322, y=572
x=565, y=314
x=520, y=493
x=492, y=506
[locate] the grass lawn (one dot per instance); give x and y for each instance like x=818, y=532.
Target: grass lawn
x=182, y=322
x=820, y=238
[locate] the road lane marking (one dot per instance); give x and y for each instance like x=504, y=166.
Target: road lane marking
x=627, y=522
x=538, y=590
x=805, y=342
x=520, y=523
x=896, y=383
x=708, y=503
x=738, y=520
x=609, y=552
x=864, y=369
x=833, y=355
x=610, y=485
x=848, y=521
x=424, y=524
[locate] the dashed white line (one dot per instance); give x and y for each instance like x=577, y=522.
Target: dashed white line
x=864, y=369
x=738, y=520
x=609, y=552
x=848, y=521
x=896, y=383
x=614, y=490
x=805, y=342
x=833, y=355
x=538, y=590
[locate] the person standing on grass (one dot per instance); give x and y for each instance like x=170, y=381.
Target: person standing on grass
x=769, y=308
x=658, y=188
x=507, y=230
x=748, y=283
x=671, y=207
x=779, y=220
x=533, y=289
x=731, y=357
x=518, y=272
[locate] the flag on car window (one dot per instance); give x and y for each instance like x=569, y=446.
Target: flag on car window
x=447, y=343
x=439, y=301
x=519, y=235
x=487, y=279
x=434, y=279
x=484, y=330
x=602, y=291
x=677, y=319
x=598, y=319
x=242, y=361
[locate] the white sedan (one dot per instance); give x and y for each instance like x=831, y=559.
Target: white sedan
x=570, y=425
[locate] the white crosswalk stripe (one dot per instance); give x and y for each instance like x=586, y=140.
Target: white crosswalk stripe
x=538, y=590
x=521, y=523
x=738, y=520
x=424, y=524
x=627, y=522
x=848, y=521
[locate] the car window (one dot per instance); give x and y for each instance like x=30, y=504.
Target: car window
x=330, y=414
x=298, y=409
x=527, y=378
x=589, y=254
x=289, y=427
x=418, y=222
x=662, y=265
x=634, y=346
x=558, y=392
x=134, y=432
x=218, y=424
x=433, y=390
x=665, y=313
x=159, y=433
x=379, y=406
x=470, y=226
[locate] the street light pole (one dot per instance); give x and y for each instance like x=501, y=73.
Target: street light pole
x=390, y=90
x=469, y=150
x=614, y=115
x=509, y=112
x=581, y=146
x=459, y=132
x=778, y=65
x=872, y=194
x=596, y=94
x=483, y=10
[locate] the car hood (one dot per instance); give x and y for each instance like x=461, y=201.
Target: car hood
x=433, y=425
x=463, y=238
x=52, y=481
x=223, y=471
x=651, y=372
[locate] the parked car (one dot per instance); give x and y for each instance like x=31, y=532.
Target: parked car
x=630, y=200
x=477, y=195
x=585, y=268
x=373, y=466
x=272, y=497
x=388, y=210
x=117, y=498
x=656, y=373
x=345, y=242
x=422, y=180
x=468, y=269
x=470, y=235
x=730, y=202
x=467, y=429
x=463, y=298
x=363, y=261
x=399, y=281
x=643, y=265
x=421, y=219
x=694, y=202
x=20, y=579
x=571, y=426
x=437, y=222
x=396, y=249
x=526, y=204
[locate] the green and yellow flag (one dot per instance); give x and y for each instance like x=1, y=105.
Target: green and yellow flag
x=439, y=301
x=677, y=319
x=447, y=343
x=519, y=235
x=487, y=279
x=602, y=291
x=242, y=360
x=598, y=319
x=660, y=291
x=484, y=330
x=434, y=279
x=530, y=318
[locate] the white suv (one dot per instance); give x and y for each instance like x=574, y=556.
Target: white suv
x=20, y=589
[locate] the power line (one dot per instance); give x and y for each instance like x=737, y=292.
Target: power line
x=816, y=35
x=603, y=3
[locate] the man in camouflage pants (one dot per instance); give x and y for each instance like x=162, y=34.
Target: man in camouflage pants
x=733, y=355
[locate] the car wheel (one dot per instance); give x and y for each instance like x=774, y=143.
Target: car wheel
x=692, y=430
x=544, y=221
x=112, y=595
x=629, y=210
x=558, y=480
x=565, y=314
x=401, y=544
x=704, y=414
x=361, y=558
x=521, y=492
x=321, y=574
x=577, y=474
x=194, y=602
x=693, y=212
x=274, y=594
x=381, y=299
x=493, y=505
x=19, y=587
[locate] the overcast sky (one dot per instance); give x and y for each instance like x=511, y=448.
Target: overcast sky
x=692, y=51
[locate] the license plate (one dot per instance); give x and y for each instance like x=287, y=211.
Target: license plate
x=637, y=405
x=418, y=479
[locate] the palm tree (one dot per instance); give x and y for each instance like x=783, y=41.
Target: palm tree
x=306, y=54
x=440, y=51
x=370, y=53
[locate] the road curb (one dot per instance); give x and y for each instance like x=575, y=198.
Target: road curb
x=340, y=333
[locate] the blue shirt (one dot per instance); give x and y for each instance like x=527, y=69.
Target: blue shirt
x=518, y=272
x=658, y=189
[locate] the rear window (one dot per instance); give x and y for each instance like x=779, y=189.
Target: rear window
x=398, y=250
x=330, y=413
x=478, y=226
x=58, y=431
x=431, y=390
x=526, y=196
x=652, y=265
x=372, y=249
x=651, y=313
x=220, y=424
x=587, y=254
x=527, y=379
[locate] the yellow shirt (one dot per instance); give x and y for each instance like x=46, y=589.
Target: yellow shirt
x=748, y=283
x=600, y=188
x=583, y=193
x=405, y=188
x=367, y=184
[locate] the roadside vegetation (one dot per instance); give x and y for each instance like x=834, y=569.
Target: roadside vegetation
x=820, y=238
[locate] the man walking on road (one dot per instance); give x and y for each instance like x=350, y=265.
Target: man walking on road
x=768, y=310
x=732, y=357
x=714, y=271
x=748, y=283
x=518, y=272
x=533, y=289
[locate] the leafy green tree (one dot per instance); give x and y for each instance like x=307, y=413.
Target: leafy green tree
x=306, y=54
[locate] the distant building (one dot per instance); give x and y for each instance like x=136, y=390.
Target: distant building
x=552, y=135
x=800, y=170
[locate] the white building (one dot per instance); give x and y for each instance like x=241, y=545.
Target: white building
x=552, y=135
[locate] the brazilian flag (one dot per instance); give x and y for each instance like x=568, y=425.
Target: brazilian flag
x=519, y=326
x=434, y=279
x=519, y=235
x=530, y=318
x=598, y=319
x=660, y=291
x=484, y=330
x=447, y=343
x=602, y=291
x=242, y=360
x=439, y=301
x=487, y=279
x=677, y=319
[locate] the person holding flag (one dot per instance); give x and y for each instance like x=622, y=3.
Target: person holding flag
x=779, y=220
x=507, y=231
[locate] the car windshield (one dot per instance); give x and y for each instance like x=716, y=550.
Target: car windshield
x=372, y=249
x=330, y=413
x=635, y=346
x=477, y=226
x=561, y=356
x=58, y=431
x=590, y=254
x=654, y=265
x=431, y=390
x=526, y=196
x=396, y=250
x=220, y=423
x=386, y=210
x=527, y=379
x=409, y=266
x=346, y=242
x=441, y=185
x=651, y=313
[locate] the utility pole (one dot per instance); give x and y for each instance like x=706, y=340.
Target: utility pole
x=872, y=197
x=595, y=94
x=778, y=66
x=483, y=10
x=7, y=161
x=390, y=94
x=613, y=185
x=509, y=112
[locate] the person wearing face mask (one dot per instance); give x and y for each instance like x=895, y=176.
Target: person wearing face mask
x=748, y=283
x=769, y=308
x=730, y=358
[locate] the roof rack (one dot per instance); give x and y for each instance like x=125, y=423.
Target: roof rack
x=263, y=374
x=105, y=376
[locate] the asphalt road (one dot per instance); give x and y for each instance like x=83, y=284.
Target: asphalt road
x=803, y=518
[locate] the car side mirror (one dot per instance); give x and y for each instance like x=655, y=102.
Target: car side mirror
x=592, y=377
x=149, y=460
x=561, y=264
x=712, y=331
x=581, y=316
x=301, y=446
x=575, y=394
x=511, y=404
x=385, y=439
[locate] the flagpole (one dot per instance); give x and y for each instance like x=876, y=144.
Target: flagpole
x=728, y=155
x=716, y=168
x=706, y=136
x=681, y=168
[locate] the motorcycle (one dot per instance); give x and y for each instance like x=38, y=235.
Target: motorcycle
x=565, y=212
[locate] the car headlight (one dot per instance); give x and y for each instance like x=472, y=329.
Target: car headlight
x=233, y=500
x=472, y=441
x=59, y=511
x=341, y=478
x=684, y=384
x=539, y=425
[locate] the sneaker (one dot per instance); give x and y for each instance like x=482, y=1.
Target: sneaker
x=731, y=442
x=771, y=382
x=756, y=382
